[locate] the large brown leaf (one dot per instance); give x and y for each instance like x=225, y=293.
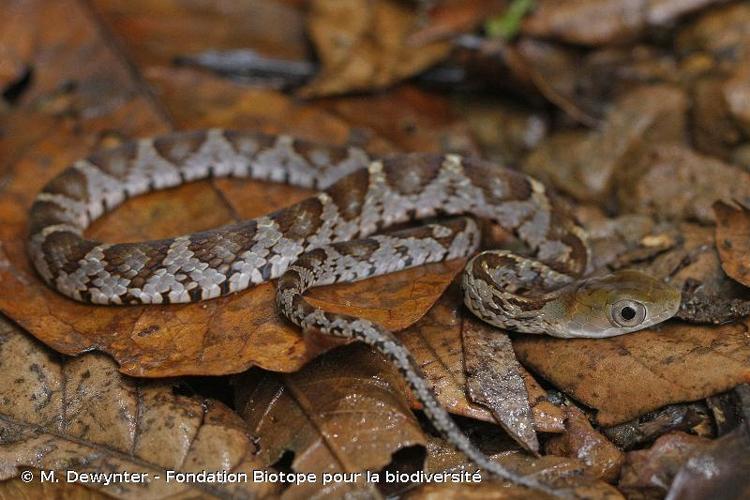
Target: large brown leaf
x=344, y=412
x=82, y=415
x=733, y=241
x=626, y=376
x=364, y=45
x=187, y=339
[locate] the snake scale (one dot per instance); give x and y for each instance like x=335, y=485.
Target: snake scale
x=338, y=236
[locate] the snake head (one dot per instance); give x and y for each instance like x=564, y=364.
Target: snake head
x=613, y=304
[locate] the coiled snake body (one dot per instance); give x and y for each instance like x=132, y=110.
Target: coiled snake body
x=328, y=238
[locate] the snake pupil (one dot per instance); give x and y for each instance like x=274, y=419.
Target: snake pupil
x=627, y=313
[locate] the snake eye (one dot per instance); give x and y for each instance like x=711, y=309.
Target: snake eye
x=628, y=313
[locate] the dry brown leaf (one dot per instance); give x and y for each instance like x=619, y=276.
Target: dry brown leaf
x=587, y=165
x=16, y=47
x=364, y=46
x=195, y=338
x=693, y=266
x=189, y=339
x=627, y=240
x=674, y=182
x=481, y=491
x=601, y=22
x=156, y=32
x=410, y=118
x=16, y=489
x=624, y=377
x=583, y=442
x=566, y=476
x=493, y=378
x=505, y=131
x=82, y=415
x=733, y=241
x=648, y=473
x=718, y=32
x=344, y=412
x=435, y=342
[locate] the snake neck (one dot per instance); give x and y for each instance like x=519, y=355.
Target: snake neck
x=514, y=293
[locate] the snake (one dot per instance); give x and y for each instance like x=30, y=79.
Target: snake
x=355, y=227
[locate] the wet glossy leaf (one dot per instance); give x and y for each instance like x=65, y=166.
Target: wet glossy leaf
x=585, y=443
x=344, y=412
x=493, y=380
x=718, y=472
x=650, y=472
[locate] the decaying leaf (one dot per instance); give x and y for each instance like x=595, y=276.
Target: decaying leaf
x=567, y=476
x=627, y=240
x=720, y=471
x=624, y=377
x=693, y=417
x=435, y=342
x=409, y=118
x=733, y=241
x=649, y=473
x=16, y=489
x=588, y=165
x=505, y=132
x=730, y=409
x=600, y=22
x=364, y=45
x=676, y=183
x=344, y=412
x=16, y=47
x=82, y=415
x=693, y=266
x=583, y=442
x=493, y=378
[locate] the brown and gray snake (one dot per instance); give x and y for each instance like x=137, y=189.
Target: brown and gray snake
x=331, y=237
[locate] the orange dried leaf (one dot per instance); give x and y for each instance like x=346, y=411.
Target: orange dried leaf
x=364, y=45
x=624, y=377
x=733, y=241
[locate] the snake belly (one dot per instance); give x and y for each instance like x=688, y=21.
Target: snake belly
x=324, y=239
